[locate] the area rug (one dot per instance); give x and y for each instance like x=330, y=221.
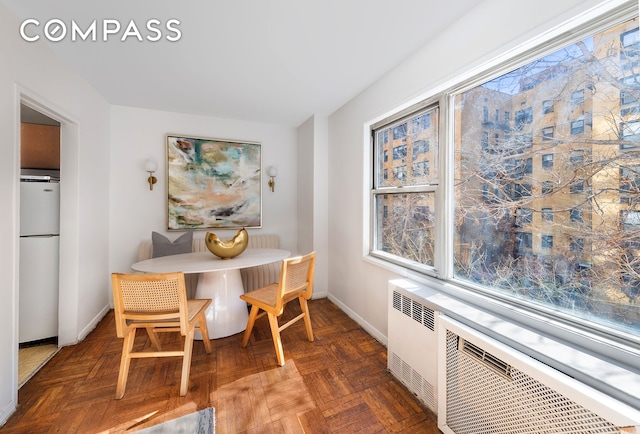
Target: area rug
x=200, y=422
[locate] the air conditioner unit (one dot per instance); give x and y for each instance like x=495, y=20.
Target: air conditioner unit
x=413, y=340
x=487, y=387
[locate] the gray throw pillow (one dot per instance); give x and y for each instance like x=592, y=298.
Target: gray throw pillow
x=162, y=246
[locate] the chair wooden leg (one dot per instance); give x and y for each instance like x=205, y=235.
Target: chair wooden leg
x=186, y=362
x=275, y=334
x=153, y=336
x=204, y=331
x=125, y=360
x=307, y=318
x=252, y=319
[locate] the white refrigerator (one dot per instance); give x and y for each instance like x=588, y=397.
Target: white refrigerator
x=39, y=259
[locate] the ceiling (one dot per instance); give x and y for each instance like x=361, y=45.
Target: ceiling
x=273, y=61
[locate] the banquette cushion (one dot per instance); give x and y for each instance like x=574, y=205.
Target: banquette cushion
x=252, y=277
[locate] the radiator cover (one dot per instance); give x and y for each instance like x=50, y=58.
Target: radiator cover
x=412, y=346
x=487, y=387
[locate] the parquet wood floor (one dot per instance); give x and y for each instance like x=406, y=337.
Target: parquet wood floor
x=336, y=384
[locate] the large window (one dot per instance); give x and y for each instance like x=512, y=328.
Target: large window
x=546, y=221
x=407, y=233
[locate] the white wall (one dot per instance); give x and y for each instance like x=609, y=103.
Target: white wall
x=31, y=71
x=313, y=205
x=486, y=32
x=140, y=134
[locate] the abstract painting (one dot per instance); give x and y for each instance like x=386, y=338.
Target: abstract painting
x=213, y=183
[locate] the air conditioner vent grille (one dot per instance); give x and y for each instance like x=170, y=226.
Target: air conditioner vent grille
x=478, y=400
x=493, y=362
x=415, y=310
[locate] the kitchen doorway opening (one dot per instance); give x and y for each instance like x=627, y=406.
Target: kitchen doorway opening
x=39, y=241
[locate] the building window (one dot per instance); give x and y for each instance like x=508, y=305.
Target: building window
x=629, y=180
x=576, y=245
x=630, y=134
x=576, y=215
x=521, y=167
x=631, y=223
x=400, y=132
x=400, y=152
x=577, y=127
x=400, y=173
x=420, y=147
x=420, y=169
x=577, y=97
x=548, y=133
x=577, y=187
x=504, y=193
x=420, y=123
x=629, y=95
x=485, y=140
x=630, y=49
x=523, y=117
x=521, y=191
x=524, y=216
x=576, y=156
x=523, y=241
x=383, y=138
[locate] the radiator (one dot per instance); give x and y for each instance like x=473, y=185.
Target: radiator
x=487, y=387
x=412, y=340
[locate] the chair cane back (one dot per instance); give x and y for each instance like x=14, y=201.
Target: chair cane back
x=156, y=303
x=296, y=281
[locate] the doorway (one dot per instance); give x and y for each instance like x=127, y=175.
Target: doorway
x=39, y=241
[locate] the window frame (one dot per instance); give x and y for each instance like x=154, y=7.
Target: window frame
x=403, y=116
x=598, y=338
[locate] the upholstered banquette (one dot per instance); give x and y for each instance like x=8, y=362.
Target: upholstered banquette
x=252, y=278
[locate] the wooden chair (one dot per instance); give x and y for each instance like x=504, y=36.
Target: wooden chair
x=296, y=281
x=156, y=303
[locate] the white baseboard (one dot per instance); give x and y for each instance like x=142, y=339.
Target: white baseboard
x=7, y=410
x=380, y=337
x=93, y=323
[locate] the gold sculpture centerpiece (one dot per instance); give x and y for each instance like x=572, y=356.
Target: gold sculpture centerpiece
x=227, y=249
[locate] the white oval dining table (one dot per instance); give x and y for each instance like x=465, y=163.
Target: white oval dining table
x=219, y=280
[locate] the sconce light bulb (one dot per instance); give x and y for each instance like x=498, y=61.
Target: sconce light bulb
x=150, y=166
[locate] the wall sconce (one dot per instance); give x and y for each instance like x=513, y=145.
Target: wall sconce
x=151, y=167
x=272, y=172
